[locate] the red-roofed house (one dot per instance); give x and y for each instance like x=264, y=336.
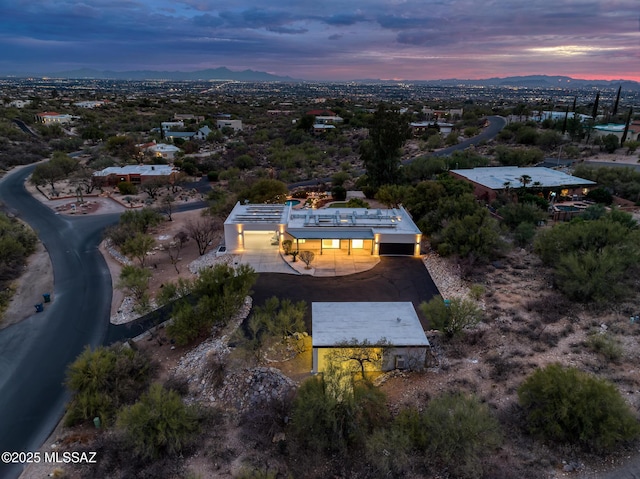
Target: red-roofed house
x=321, y=113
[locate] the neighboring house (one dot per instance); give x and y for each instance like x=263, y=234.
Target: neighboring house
x=90, y=104
x=634, y=131
x=167, y=125
x=19, y=103
x=172, y=135
x=320, y=113
x=454, y=113
x=162, y=150
x=558, y=115
x=136, y=174
x=488, y=182
x=51, y=117
x=420, y=127
x=280, y=112
x=328, y=120
x=346, y=230
x=236, y=125
x=618, y=130
x=188, y=117
x=320, y=128
x=395, y=325
x=202, y=133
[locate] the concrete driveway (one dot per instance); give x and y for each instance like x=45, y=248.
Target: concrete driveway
x=269, y=259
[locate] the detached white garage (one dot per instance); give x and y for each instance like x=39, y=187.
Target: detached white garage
x=339, y=325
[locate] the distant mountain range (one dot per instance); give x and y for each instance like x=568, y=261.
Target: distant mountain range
x=223, y=73
x=529, y=81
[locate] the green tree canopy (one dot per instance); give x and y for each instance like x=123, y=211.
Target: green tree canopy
x=265, y=190
x=159, y=424
x=103, y=380
x=593, y=260
x=381, y=151
x=568, y=405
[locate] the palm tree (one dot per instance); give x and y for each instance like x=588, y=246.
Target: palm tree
x=525, y=180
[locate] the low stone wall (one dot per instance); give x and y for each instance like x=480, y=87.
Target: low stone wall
x=446, y=276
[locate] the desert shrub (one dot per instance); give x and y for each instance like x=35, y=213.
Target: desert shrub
x=339, y=193
x=17, y=242
x=307, y=257
x=610, y=143
x=387, y=453
x=605, y=345
x=472, y=236
x=141, y=220
x=178, y=384
x=332, y=415
x=103, y=380
x=524, y=233
x=514, y=214
x=461, y=431
x=286, y=246
x=127, y=188
x=216, y=296
x=594, y=260
x=356, y=203
x=453, y=317
x=476, y=291
x=600, y=195
x=159, y=424
x=117, y=459
x=278, y=318
x=570, y=406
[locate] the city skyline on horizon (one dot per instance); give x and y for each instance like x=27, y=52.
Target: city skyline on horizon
x=388, y=40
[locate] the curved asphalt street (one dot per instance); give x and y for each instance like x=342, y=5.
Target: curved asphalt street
x=496, y=123
x=35, y=352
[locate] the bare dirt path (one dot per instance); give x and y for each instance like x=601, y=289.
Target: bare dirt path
x=36, y=280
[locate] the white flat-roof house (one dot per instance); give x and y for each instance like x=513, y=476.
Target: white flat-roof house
x=236, y=125
x=489, y=181
x=371, y=231
x=163, y=150
x=393, y=330
x=51, y=117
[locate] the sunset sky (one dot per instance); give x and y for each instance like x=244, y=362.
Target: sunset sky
x=327, y=39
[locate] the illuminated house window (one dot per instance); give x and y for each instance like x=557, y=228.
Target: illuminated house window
x=357, y=244
x=331, y=243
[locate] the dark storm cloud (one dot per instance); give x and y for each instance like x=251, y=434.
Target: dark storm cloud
x=361, y=37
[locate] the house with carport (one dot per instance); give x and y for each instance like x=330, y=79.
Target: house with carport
x=391, y=333
x=342, y=230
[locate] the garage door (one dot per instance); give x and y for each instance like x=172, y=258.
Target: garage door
x=259, y=239
x=405, y=249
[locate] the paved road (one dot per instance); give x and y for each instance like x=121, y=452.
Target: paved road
x=34, y=353
x=496, y=123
